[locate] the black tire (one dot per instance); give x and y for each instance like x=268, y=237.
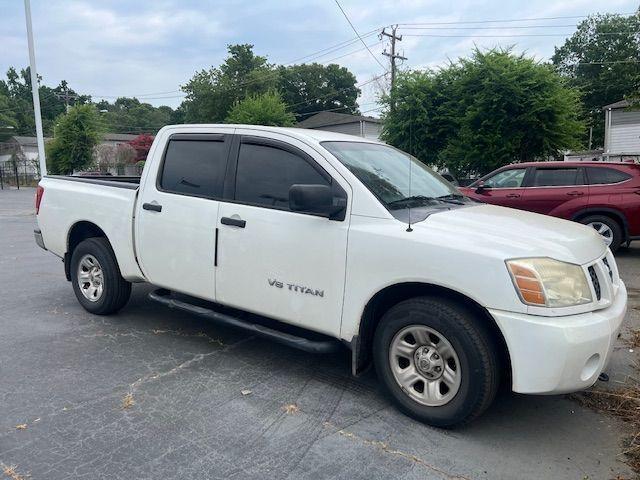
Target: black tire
x=614, y=226
x=474, y=346
x=116, y=290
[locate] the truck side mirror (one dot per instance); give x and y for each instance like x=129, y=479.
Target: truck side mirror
x=316, y=199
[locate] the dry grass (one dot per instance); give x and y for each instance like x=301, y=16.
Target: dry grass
x=12, y=473
x=290, y=409
x=128, y=401
x=623, y=403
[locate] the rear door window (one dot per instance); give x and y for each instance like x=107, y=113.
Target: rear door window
x=194, y=167
x=557, y=177
x=603, y=175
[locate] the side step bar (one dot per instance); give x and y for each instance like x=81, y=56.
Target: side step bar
x=312, y=346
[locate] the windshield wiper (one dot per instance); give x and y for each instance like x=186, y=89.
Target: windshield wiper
x=456, y=198
x=414, y=199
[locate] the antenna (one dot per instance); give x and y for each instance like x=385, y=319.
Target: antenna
x=409, y=229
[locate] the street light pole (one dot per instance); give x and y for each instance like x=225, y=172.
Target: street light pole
x=34, y=90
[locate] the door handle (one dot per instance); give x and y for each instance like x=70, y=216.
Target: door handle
x=575, y=194
x=236, y=222
x=154, y=207
x=513, y=195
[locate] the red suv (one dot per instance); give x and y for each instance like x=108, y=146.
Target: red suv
x=605, y=196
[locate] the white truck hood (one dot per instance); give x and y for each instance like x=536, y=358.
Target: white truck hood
x=515, y=233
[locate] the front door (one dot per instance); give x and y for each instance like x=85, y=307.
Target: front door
x=176, y=217
x=282, y=264
x=504, y=188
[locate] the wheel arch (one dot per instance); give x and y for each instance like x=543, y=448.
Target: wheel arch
x=78, y=232
x=612, y=213
x=389, y=296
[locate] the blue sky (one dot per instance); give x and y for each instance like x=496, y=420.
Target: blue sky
x=125, y=48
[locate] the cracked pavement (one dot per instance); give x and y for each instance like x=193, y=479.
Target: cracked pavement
x=65, y=374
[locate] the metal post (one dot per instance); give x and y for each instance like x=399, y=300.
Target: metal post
x=1, y=179
x=34, y=90
x=15, y=170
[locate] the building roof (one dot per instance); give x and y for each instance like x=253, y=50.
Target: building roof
x=27, y=141
x=620, y=104
x=118, y=137
x=325, y=119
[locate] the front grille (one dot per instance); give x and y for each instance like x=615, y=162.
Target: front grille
x=595, y=282
x=606, y=264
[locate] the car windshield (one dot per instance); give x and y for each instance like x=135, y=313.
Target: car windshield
x=385, y=171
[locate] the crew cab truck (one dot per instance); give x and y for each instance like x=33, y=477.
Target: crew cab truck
x=314, y=238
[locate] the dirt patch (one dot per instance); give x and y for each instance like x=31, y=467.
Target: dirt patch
x=623, y=403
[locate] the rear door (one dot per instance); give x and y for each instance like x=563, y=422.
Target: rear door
x=558, y=190
x=286, y=265
x=176, y=215
x=503, y=188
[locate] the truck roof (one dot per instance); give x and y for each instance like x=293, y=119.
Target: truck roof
x=301, y=133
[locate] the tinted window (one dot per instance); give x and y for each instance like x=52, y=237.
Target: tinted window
x=506, y=179
x=555, y=177
x=194, y=167
x=266, y=173
x=600, y=175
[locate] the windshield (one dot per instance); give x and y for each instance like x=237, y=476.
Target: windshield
x=385, y=171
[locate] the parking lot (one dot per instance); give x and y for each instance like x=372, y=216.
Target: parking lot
x=155, y=393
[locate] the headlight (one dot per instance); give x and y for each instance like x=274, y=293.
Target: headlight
x=548, y=282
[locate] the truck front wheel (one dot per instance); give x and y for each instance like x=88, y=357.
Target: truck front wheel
x=436, y=361
x=96, y=278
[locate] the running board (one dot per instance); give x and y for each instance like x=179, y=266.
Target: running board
x=308, y=345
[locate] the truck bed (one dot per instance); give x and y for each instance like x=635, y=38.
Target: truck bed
x=105, y=202
x=131, y=182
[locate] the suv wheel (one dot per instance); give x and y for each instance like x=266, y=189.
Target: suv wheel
x=96, y=278
x=607, y=227
x=435, y=361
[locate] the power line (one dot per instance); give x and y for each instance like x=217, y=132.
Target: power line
x=508, y=35
x=361, y=40
x=506, y=21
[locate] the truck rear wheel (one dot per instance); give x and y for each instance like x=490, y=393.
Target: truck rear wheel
x=436, y=361
x=96, y=278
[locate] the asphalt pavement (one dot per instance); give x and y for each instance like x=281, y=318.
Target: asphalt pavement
x=152, y=393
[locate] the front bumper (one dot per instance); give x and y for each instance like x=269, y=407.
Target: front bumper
x=39, y=241
x=552, y=355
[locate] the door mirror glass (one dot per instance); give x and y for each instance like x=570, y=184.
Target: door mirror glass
x=316, y=199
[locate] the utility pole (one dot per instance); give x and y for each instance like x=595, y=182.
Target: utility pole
x=393, y=56
x=34, y=90
x=66, y=96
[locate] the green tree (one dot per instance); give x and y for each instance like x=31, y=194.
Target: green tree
x=314, y=87
x=602, y=59
x=76, y=135
x=8, y=121
x=483, y=112
x=17, y=88
x=262, y=109
x=212, y=93
x=129, y=115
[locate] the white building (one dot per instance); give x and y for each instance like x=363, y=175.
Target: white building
x=622, y=132
x=361, y=126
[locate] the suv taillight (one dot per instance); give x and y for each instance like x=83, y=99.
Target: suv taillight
x=39, y=194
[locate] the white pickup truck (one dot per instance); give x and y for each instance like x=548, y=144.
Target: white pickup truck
x=317, y=239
